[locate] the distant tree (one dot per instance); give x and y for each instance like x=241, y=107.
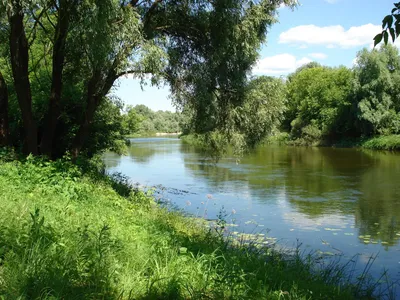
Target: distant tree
x=132, y=120
x=377, y=90
x=319, y=101
x=141, y=119
x=291, y=106
x=263, y=108
x=143, y=110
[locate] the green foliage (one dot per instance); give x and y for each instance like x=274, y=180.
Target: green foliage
x=212, y=85
x=377, y=85
x=390, y=26
x=263, y=108
x=145, y=121
x=132, y=121
x=390, y=142
x=260, y=113
x=203, y=50
x=319, y=102
x=66, y=234
x=326, y=105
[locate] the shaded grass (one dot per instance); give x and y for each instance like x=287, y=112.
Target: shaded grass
x=66, y=234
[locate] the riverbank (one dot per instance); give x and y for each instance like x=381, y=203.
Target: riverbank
x=389, y=142
x=71, y=232
x=150, y=134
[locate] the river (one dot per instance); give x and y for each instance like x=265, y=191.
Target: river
x=336, y=201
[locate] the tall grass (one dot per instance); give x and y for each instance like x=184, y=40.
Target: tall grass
x=68, y=234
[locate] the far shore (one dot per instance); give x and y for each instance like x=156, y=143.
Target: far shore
x=167, y=133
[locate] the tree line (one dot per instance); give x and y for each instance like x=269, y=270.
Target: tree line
x=336, y=103
x=140, y=119
x=316, y=104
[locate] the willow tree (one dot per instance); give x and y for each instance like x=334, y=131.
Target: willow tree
x=64, y=57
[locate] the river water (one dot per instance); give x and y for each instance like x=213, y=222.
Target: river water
x=337, y=201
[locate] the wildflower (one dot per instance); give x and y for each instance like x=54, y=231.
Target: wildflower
x=233, y=211
x=209, y=196
x=188, y=203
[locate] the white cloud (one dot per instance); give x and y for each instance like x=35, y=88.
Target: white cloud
x=331, y=1
x=280, y=64
x=318, y=55
x=330, y=36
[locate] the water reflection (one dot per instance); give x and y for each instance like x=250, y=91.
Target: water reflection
x=318, y=182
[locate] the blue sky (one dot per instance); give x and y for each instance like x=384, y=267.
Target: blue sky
x=330, y=32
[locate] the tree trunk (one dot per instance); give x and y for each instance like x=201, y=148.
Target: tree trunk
x=94, y=97
x=84, y=128
x=54, y=109
x=19, y=64
x=4, y=129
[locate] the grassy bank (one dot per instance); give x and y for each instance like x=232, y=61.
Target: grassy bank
x=73, y=234
x=388, y=142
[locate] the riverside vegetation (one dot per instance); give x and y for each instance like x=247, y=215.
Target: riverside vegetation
x=321, y=106
x=70, y=231
x=140, y=120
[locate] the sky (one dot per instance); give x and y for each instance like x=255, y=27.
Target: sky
x=330, y=32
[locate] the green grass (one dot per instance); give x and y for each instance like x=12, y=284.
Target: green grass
x=65, y=234
x=389, y=142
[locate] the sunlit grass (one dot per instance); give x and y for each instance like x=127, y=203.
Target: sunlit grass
x=68, y=235
x=389, y=142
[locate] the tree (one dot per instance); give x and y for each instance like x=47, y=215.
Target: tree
x=292, y=106
x=19, y=49
x=263, y=108
x=211, y=84
x=132, y=121
x=390, y=26
x=70, y=53
x=377, y=88
x=319, y=102
x=248, y=124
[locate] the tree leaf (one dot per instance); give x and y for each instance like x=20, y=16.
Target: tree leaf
x=392, y=34
x=377, y=39
x=397, y=29
x=386, y=37
x=388, y=20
